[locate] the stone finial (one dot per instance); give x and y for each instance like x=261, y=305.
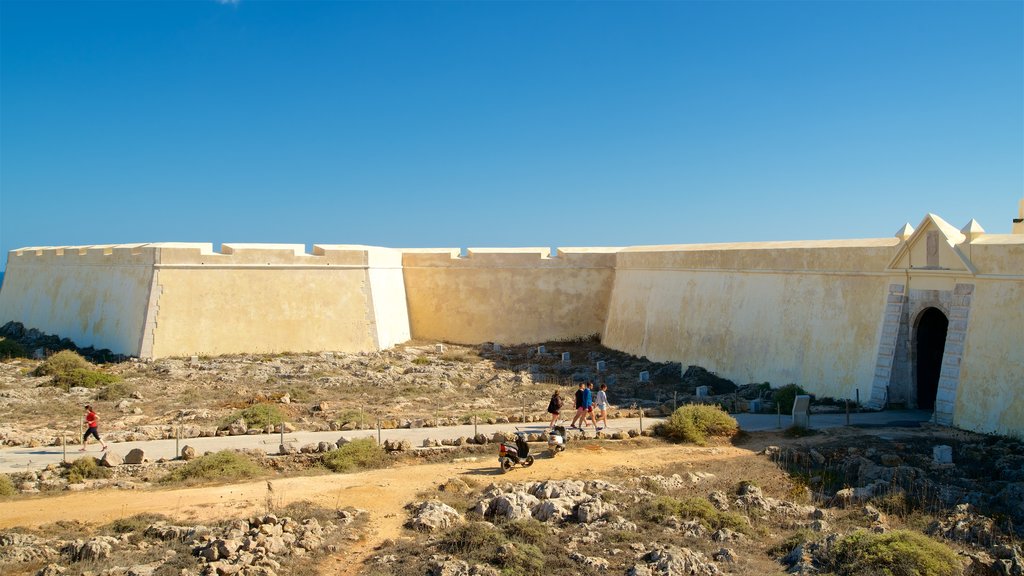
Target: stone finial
x=905, y=232
x=972, y=230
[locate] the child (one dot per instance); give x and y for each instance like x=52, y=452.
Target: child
x=554, y=407
x=92, y=420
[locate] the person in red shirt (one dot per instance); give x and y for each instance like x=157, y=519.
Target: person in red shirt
x=92, y=420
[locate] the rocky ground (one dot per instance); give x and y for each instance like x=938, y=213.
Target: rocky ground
x=151, y=545
x=724, y=517
x=412, y=385
x=766, y=503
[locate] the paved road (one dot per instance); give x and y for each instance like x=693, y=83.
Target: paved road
x=23, y=459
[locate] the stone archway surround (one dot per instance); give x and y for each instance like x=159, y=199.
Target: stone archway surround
x=894, y=378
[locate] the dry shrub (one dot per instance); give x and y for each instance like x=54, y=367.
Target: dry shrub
x=696, y=423
x=222, y=466
x=356, y=455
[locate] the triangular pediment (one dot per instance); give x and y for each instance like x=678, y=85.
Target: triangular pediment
x=934, y=245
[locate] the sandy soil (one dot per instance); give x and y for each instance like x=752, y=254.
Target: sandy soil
x=383, y=493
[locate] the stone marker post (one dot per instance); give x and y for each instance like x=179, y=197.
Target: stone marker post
x=802, y=411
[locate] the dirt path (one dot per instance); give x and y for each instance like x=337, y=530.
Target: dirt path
x=383, y=493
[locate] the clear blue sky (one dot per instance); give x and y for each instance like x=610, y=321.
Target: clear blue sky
x=502, y=124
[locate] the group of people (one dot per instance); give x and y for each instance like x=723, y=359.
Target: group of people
x=589, y=405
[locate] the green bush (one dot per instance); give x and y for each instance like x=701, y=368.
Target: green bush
x=84, y=378
x=696, y=422
x=225, y=465
x=357, y=454
x=472, y=537
x=660, y=509
x=61, y=363
x=115, y=391
x=6, y=486
x=421, y=360
x=896, y=553
x=87, y=468
x=136, y=523
x=527, y=531
x=11, y=349
x=785, y=396
x=257, y=416
x=69, y=370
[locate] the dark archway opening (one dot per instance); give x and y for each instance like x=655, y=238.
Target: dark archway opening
x=931, y=342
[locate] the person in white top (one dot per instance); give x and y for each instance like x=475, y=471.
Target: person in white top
x=601, y=403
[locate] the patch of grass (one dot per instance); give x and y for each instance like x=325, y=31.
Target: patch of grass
x=356, y=455
x=86, y=468
x=528, y=531
x=521, y=560
x=115, y=391
x=84, y=378
x=471, y=537
x=896, y=553
x=6, y=486
x=660, y=509
x=353, y=416
x=11, y=349
x=136, y=523
x=222, y=466
x=460, y=356
x=696, y=422
x=421, y=360
x=785, y=395
x=257, y=416
x=482, y=416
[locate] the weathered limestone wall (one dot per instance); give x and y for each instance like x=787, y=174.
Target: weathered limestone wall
x=508, y=295
x=94, y=295
x=990, y=395
x=782, y=312
x=274, y=298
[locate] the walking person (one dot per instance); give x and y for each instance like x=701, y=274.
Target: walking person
x=581, y=412
x=588, y=405
x=554, y=408
x=92, y=421
x=601, y=402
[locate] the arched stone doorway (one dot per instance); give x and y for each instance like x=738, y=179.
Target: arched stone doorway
x=930, y=343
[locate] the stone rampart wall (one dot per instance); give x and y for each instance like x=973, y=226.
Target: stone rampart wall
x=836, y=317
x=95, y=295
x=803, y=313
x=508, y=295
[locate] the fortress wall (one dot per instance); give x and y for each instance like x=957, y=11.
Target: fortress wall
x=507, y=295
x=797, y=312
x=265, y=298
x=990, y=397
x=95, y=295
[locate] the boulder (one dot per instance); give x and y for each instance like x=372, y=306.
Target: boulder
x=433, y=515
x=111, y=459
x=135, y=456
x=671, y=560
x=188, y=452
x=555, y=509
x=513, y=506
x=593, y=510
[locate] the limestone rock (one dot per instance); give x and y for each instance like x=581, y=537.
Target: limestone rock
x=433, y=515
x=672, y=560
x=111, y=459
x=513, y=506
x=188, y=453
x=593, y=510
x=135, y=456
